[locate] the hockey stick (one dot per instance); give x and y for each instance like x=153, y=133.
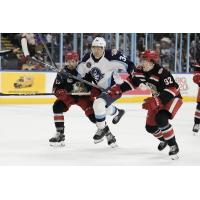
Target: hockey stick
x=46, y=94
x=55, y=68
x=47, y=50
x=67, y=74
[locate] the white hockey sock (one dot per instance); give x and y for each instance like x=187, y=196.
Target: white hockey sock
x=111, y=110
x=100, y=112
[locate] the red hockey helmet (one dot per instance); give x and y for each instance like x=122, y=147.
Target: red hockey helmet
x=150, y=55
x=72, y=55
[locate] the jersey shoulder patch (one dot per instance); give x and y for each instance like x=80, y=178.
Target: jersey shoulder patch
x=114, y=52
x=160, y=71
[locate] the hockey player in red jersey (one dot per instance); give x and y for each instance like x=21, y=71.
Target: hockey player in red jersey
x=71, y=92
x=196, y=80
x=63, y=88
x=164, y=103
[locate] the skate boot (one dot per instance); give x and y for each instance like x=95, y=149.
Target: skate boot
x=59, y=138
x=100, y=134
x=162, y=145
x=117, y=118
x=173, y=152
x=196, y=129
x=111, y=140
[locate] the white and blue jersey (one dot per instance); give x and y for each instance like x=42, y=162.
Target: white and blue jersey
x=105, y=71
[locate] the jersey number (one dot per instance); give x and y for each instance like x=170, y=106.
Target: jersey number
x=168, y=81
x=122, y=58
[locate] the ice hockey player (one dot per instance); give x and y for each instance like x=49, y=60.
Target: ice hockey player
x=71, y=92
x=196, y=80
x=164, y=103
x=103, y=66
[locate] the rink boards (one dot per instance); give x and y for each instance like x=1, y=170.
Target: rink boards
x=18, y=82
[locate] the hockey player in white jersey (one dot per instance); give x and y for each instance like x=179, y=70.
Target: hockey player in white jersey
x=104, y=67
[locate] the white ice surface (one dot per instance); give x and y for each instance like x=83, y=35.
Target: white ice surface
x=25, y=130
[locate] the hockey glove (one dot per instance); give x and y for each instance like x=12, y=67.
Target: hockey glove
x=61, y=94
x=115, y=91
x=152, y=103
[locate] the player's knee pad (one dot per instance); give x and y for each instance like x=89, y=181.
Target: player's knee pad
x=162, y=118
x=92, y=118
x=99, y=105
x=59, y=107
x=151, y=129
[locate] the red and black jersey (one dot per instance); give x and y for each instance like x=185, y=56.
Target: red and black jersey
x=67, y=83
x=63, y=82
x=160, y=81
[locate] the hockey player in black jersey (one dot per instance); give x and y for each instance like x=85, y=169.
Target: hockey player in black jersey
x=104, y=66
x=196, y=80
x=71, y=92
x=164, y=103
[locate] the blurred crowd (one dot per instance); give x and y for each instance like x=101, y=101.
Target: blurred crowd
x=164, y=44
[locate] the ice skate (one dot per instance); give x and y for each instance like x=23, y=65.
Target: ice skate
x=98, y=132
x=117, y=118
x=173, y=152
x=58, y=139
x=111, y=140
x=98, y=137
x=196, y=129
x=162, y=145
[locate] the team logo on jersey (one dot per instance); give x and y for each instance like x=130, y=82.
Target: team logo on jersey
x=88, y=64
x=96, y=74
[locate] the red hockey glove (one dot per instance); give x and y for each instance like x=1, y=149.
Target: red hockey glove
x=95, y=92
x=196, y=78
x=115, y=91
x=152, y=103
x=61, y=94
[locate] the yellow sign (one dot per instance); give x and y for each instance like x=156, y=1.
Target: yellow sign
x=22, y=82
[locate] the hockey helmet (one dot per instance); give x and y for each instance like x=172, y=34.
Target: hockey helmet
x=72, y=55
x=99, y=42
x=149, y=55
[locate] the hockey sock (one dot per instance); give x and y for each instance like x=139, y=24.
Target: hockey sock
x=100, y=112
x=197, y=114
x=111, y=110
x=158, y=134
x=59, y=120
x=168, y=134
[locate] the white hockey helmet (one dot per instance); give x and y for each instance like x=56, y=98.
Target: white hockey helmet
x=99, y=42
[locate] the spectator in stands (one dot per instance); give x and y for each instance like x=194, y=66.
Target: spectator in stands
x=165, y=52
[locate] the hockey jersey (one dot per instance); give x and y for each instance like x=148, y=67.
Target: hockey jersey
x=69, y=84
x=105, y=71
x=159, y=80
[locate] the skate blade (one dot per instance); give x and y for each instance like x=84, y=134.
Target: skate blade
x=57, y=144
x=98, y=141
x=196, y=133
x=174, y=157
x=114, y=145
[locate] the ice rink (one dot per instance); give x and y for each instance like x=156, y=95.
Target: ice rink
x=25, y=130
